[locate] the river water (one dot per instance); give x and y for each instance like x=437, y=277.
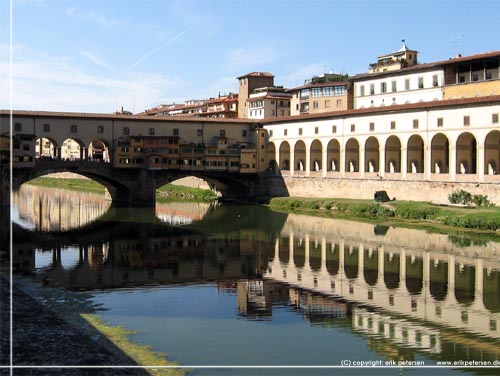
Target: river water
x=245, y=286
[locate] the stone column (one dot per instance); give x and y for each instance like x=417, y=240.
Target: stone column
x=453, y=162
x=380, y=277
x=361, y=161
x=292, y=159
x=290, y=250
x=342, y=161
x=381, y=161
x=402, y=271
x=361, y=262
x=308, y=160
x=324, y=161
x=479, y=281
x=427, y=162
x=481, y=163
x=404, y=162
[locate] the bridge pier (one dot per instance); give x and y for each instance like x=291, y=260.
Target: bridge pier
x=139, y=192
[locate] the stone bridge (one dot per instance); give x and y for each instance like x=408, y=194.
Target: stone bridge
x=137, y=187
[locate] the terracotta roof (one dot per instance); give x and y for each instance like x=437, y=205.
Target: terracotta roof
x=256, y=74
x=392, y=108
x=101, y=116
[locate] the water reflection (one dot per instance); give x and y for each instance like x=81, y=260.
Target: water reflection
x=51, y=209
x=182, y=213
x=407, y=293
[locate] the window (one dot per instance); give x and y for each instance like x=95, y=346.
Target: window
x=300, y=131
x=415, y=123
x=440, y=122
x=334, y=129
x=282, y=112
x=271, y=133
x=273, y=113
x=126, y=131
x=328, y=91
x=435, y=80
x=222, y=133
x=315, y=104
x=339, y=90
x=466, y=120
x=372, y=89
x=244, y=133
x=339, y=103
x=394, y=86
x=407, y=84
x=383, y=87
x=199, y=132
x=362, y=91
x=353, y=127
x=304, y=94
x=393, y=125
x=175, y=131
x=316, y=92
x=316, y=130
x=420, y=82
x=46, y=127
x=372, y=127
x=18, y=127
x=494, y=118
x=151, y=131
x=100, y=129
x=285, y=132
x=74, y=128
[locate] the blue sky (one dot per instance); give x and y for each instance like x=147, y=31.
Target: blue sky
x=99, y=55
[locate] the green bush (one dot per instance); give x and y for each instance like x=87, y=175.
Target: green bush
x=466, y=198
x=415, y=212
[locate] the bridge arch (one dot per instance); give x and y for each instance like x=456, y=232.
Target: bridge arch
x=73, y=149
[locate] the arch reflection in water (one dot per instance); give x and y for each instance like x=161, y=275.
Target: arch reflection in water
x=52, y=209
x=404, y=291
x=423, y=276
x=182, y=213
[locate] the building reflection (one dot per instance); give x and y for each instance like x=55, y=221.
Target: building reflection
x=58, y=209
x=404, y=291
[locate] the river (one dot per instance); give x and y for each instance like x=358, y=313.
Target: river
x=245, y=286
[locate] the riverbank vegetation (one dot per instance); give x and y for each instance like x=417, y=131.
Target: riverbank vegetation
x=84, y=185
x=141, y=354
x=171, y=192
x=481, y=218
x=168, y=192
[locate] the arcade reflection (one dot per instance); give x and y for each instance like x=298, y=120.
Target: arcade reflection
x=51, y=209
x=405, y=291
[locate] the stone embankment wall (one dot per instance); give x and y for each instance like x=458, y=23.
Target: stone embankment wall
x=364, y=188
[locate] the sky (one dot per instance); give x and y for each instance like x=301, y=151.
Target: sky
x=101, y=55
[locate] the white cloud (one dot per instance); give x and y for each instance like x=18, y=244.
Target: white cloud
x=250, y=58
x=52, y=84
x=156, y=49
x=95, y=59
x=297, y=77
x=101, y=20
